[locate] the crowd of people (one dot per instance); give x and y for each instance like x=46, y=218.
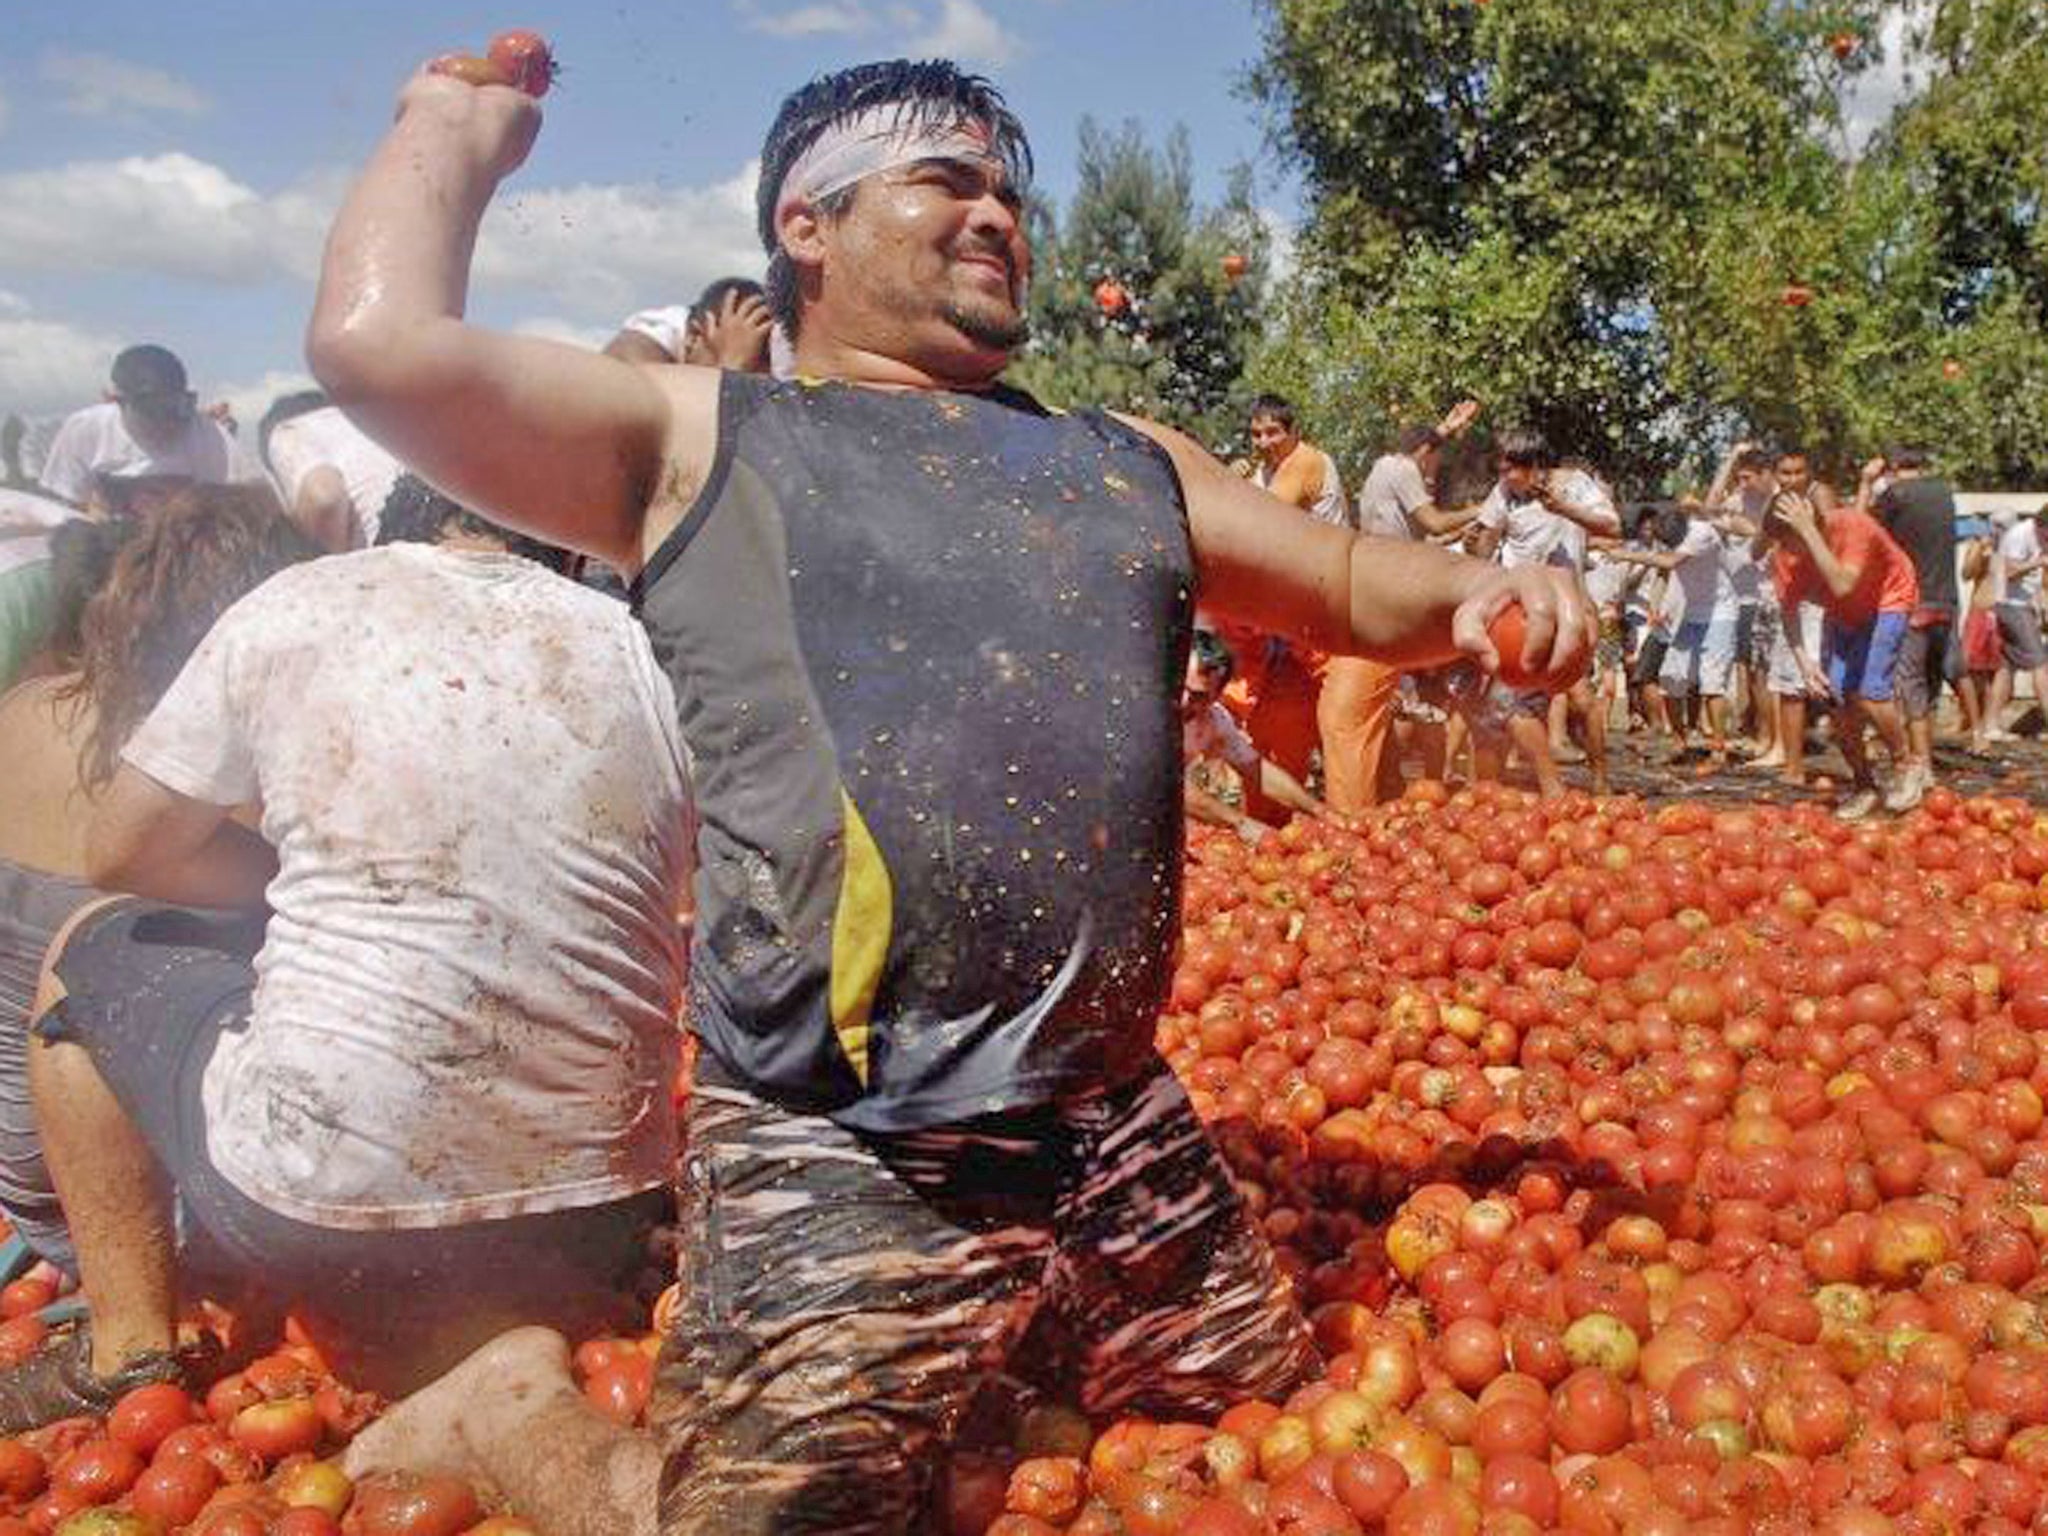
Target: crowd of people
x=1733, y=622
x=359, y=844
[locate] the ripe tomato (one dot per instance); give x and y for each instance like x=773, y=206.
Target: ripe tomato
x=621, y=1389
x=407, y=1504
x=525, y=60
x=173, y=1492
x=144, y=1418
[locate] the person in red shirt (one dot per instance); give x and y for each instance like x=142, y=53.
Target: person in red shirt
x=1864, y=582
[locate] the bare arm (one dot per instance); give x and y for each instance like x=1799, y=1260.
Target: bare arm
x=322, y=512
x=637, y=347
x=1840, y=579
x=1406, y=603
x=567, y=444
x=1439, y=521
x=149, y=839
x=1218, y=812
x=1276, y=783
x=1595, y=517
x=1724, y=477
x=1666, y=560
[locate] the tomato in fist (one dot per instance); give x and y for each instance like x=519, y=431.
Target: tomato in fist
x=519, y=58
x=1509, y=631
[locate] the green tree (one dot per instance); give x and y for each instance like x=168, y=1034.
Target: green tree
x=1171, y=334
x=1600, y=216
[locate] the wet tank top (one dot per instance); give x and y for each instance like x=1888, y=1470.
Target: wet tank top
x=926, y=650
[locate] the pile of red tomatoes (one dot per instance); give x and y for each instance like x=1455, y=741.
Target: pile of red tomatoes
x=1642, y=1170
x=256, y=1456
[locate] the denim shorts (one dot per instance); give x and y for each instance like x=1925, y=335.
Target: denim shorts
x=1863, y=662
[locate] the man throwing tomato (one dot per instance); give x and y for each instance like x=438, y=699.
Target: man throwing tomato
x=927, y=639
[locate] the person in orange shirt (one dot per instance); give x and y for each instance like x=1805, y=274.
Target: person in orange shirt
x=1286, y=681
x=1864, y=582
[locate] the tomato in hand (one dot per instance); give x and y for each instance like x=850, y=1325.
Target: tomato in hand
x=524, y=58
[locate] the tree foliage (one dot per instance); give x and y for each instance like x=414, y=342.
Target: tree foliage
x=1178, y=345
x=1639, y=225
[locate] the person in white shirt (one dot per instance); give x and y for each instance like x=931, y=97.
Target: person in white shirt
x=334, y=479
x=1541, y=514
x=445, y=1064
x=1354, y=715
x=728, y=327
x=1700, y=660
x=1210, y=733
x=150, y=424
x=2016, y=577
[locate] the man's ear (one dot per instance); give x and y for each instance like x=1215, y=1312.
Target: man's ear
x=802, y=233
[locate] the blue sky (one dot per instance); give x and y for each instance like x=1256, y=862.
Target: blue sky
x=167, y=172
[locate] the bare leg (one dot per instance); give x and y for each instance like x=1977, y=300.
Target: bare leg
x=1884, y=717
x=1970, y=694
x=1920, y=740
x=1849, y=737
x=116, y=1199
x=1792, y=738
x=1432, y=744
x=2001, y=695
x=1531, y=733
x=510, y=1416
x=1714, y=711
x=1593, y=709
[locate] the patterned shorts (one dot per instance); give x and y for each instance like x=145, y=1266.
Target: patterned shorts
x=846, y=1298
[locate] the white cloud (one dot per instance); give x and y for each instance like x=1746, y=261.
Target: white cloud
x=594, y=251
x=832, y=17
x=1873, y=96
x=96, y=85
x=968, y=33
x=168, y=215
x=248, y=401
x=48, y=367
x=602, y=251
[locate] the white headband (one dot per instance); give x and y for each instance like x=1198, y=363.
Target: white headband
x=876, y=139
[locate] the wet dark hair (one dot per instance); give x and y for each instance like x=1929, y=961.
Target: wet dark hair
x=1910, y=457
x=1754, y=459
x=170, y=580
x=1211, y=654
x=1524, y=448
x=299, y=403
x=416, y=513
x=1669, y=524
x=1274, y=408
x=933, y=92
x=148, y=369
x=1416, y=438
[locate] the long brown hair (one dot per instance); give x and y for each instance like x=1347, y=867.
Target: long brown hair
x=206, y=546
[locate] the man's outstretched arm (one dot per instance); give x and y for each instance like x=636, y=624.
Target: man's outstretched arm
x=570, y=445
x=1404, y=603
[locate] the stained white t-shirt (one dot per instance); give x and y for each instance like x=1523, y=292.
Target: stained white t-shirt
x=1702, y=576
x=1393, y=488
x=304, y=443
x=1215, y=733
x=467, y=998
x=2022, y=541
x=1532, y=534
x=97, y=441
